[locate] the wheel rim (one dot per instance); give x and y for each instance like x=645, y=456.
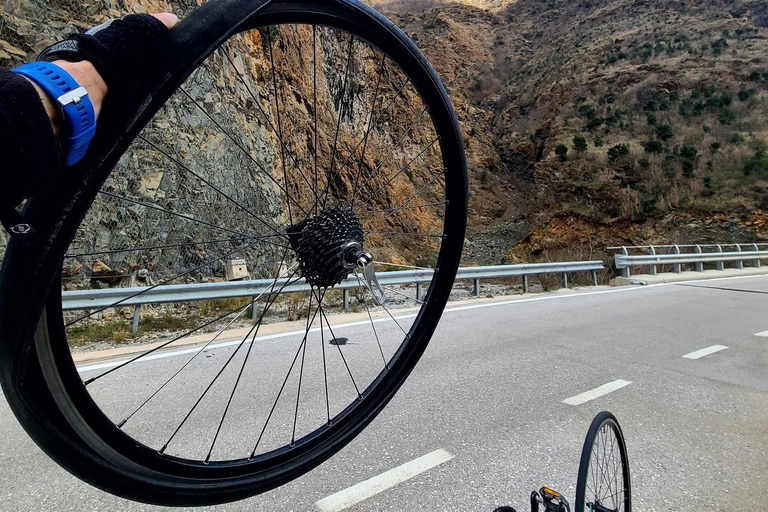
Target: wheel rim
x=605, y=488
x=390, y=339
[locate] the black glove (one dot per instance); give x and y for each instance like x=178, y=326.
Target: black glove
x=126, y=52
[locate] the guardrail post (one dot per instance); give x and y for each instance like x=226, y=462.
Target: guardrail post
x=719, y=265
x=594, y=278
x=756, y=261
x=525, y=284
x=346, y=299
x=254, y=309
x=652, y=266
x=699, y=266
x=136, y=318
x=738, y=263
x=565, y=280
x=676, y=267
x=418, y=291
x=476, y=288
x=625, y=271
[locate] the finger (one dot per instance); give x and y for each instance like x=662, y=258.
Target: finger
x=168, y=19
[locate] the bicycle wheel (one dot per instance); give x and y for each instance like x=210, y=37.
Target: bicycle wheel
x=295, y=136
x=603, y=483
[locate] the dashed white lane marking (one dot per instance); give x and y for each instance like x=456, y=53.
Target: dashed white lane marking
x=705, y=352
x=597, y=392
x=364, y=490
x=763, y=334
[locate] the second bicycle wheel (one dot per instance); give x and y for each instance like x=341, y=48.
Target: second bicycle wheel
x=311, y=135
x=603, y=484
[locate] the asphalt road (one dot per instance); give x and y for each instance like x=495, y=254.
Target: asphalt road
x=490, y=392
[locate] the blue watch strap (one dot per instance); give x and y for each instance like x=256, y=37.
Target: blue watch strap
x=74, y=102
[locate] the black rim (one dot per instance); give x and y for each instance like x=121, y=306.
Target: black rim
x=353, y=418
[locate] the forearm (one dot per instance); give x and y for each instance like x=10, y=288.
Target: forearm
x=27, y=140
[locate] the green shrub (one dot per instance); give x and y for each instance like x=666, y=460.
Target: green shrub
x=726, y=116
x=757, y=163
x=664, y=132
x=579, y=143
x=653, y=146
x=594, y=123
x=689, y=152
x=562, y=151
x=618, y=151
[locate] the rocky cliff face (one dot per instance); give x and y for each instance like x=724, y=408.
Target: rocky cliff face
x=258, y=135
x=587, y=123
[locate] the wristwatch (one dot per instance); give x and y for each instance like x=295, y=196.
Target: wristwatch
x=73, y=100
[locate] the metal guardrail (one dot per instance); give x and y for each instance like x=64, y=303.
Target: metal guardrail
x=138, y=296
x=718, y=254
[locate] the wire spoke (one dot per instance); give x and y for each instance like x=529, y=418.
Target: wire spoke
x=272, y=298
x=401, y=171
x=255, y=331
x=211, y=185
x=400, y=208
x=325, y=371
x=368, y=129
x=145, y=290
x=391, y=151
x=167, y=246
x=301, y=370
x=314, y=108
x=279, y=122
x=338, y=346
x=413, y=196
x=338, y=123
x=384, y=111
x=373, y=325
x=288, y=196
x=396, y=292
x=175, y=214
x=400, y=233
x=399, y=265
x=281, y=140
x=187, y=363
x=285, y=381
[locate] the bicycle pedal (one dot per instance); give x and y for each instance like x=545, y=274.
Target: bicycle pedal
x=549, y=494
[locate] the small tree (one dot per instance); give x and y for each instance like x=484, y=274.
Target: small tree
x=597, y=141
x=562, y=151
x=618, y=151
x=757, y=163
x=664, y=132
x=579, y=143
x=689, y=152
x=653, y=146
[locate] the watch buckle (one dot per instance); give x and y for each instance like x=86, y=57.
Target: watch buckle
x=72, y=97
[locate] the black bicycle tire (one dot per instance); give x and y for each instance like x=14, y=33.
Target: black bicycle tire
x=601, y=419
x=28, y=271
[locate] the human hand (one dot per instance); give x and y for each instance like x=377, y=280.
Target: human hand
x=87, y=76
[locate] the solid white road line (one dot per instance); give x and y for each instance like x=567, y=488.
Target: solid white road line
x=597, y=392
x=763, y=334
x=364, y=490
x=705, y=352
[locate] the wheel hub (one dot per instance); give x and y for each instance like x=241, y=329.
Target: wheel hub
x=328, y=246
